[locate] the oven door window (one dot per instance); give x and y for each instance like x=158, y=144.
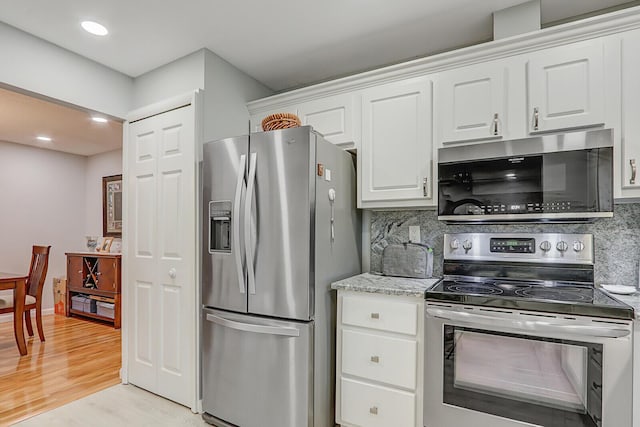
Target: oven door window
x=550, y=382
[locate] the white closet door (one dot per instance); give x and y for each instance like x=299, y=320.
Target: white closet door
x=161, y=257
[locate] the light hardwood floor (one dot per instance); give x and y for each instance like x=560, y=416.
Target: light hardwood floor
x=120, y=405
x=78, y=358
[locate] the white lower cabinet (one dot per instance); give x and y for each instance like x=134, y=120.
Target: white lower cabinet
x=379, y=361
x=376, y=406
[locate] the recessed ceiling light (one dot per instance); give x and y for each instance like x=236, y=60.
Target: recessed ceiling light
x=43, y=138
x=94, y=28
x=99, y=119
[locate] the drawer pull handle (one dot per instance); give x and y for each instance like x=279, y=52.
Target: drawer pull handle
x=373, y=410
x=375, y=359
x=632, y=163
x=375, y=315
x=536, y=118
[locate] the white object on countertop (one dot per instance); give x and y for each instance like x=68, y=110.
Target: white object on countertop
x=619, y=289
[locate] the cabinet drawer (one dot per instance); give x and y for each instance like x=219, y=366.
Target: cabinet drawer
x=385, y=359
x=381, y=314
x=374, y=406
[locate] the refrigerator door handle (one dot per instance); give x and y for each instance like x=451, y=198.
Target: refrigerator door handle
x=235, y=233
x=247, y=222
x=250, y=327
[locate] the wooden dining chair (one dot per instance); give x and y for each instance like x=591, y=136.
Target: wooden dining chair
x=34, y=287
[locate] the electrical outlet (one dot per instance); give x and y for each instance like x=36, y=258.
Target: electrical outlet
x=414, y=233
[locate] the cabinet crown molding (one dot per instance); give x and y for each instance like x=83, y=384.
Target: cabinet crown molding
x=589, y=28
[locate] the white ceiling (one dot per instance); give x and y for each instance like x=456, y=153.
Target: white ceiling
x=281, y=44
x=24, y=117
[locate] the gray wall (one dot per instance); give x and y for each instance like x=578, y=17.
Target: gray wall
x=227, y=91
x=41, y=67
x=43, y=203
x=617, y=239
x=183, y=75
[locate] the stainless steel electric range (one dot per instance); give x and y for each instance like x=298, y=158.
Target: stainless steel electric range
x=518, y=335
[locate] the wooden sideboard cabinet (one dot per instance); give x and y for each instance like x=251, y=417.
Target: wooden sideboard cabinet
x=97, y=277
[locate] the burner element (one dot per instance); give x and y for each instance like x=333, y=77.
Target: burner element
x=556, y=294
x=474, y=288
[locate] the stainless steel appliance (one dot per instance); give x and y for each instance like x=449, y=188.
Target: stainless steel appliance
x=561, y=178
x=519, y=336
x=280, y=224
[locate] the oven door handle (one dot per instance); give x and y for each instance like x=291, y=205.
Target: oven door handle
x=474, y=319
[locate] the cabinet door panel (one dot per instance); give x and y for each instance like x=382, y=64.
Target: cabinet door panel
x=381, y=314
x=630, y=124
x=472, y=103
x=106, y=270
x=334, y=117
x=386, y=359
x=75, y=271
x=566, y=87
x=371, y=405
x=397, y=141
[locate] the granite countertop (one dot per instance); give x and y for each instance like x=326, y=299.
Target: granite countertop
x=632, y=299
x=377, y=284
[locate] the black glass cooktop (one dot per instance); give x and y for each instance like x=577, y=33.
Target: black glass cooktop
x=554, y=298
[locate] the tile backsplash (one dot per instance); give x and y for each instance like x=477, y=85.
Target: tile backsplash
x=617, y=239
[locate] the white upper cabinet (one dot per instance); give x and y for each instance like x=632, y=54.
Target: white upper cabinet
x=335, y=117
x=395, y=158
x=624, y=87
x=566, y=87
x=472, y=103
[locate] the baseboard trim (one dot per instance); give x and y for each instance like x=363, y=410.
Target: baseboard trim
x=8, y=317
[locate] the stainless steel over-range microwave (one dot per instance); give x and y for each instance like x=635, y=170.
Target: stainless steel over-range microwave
x=551, y=178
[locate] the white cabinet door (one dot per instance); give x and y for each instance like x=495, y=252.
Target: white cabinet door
x=160, y=254
x=372, y=405
x=472, y=103
x=256, y=119
x=335, y=117
x=566, y=87
x=628, y=159
x=396, y=150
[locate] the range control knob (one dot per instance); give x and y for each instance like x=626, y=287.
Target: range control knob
x=455, y=244
x=545, y=246
x=562, y=246
x=466, y=245
x=578, y=246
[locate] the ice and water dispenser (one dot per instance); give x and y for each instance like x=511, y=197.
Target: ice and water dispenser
x=220, y=226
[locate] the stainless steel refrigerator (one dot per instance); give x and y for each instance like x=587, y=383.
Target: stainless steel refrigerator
x=280, y=224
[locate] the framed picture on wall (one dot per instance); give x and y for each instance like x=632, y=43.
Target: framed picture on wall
x=112, y=206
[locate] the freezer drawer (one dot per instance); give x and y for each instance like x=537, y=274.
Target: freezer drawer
x=257, y=372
